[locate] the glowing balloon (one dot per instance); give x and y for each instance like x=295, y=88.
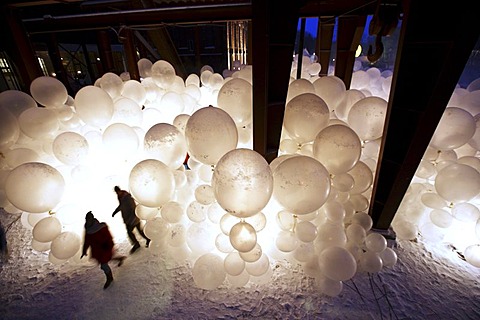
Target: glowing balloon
x=204, y=194
x=196, y=211
x=47, y=229
x=252, y=255
x=301, y=184
x=235, y=97
x=458, y=183
x=259, y=267
x=70, y=148
x=338, y=148
x=156, y=229
x=151, y=183
x=234, y=264
x=466, y=212
x=112, y=84
x=127, y=111
x=48, y=91
x=348, y=99
x=375, y=242
x=356, y=233
x=9, y=129
x=337, y=263
x=16, y=101
x=134, y=90
x=144, y=67
x=210, y=133
x=163, y=73
x=329, y=88
x=363, y=177
x=146, y=213
x=38, y=122
x=367, y=117
x=94, y=106
x=208, y=271
x=456, y=127
x=363, y=219
x=34, y=187
x=172, y=212
x=305, y=116
x=242, y=182
x=371, y=262
x=243, y=237
x=166, y=143
x=298, y=87
x=120, y=140
x=65, y=245
x=286, y=241
x=389, y=257
x=472, y=255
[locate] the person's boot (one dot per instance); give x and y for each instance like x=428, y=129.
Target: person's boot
x=109, y=279
x=135, y=247
x=120, y=261
x=147, y=244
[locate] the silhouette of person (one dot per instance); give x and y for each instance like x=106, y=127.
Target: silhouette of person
x=99, y=239
x=127, y=206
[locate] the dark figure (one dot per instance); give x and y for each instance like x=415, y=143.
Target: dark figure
x=99, y=239
x=127, y=206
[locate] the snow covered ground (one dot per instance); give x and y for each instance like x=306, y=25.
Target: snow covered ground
x=153, y=284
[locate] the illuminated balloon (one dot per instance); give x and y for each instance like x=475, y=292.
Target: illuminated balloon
x=338, y=148
x=456, y=127
x=348, y=99
x=305, y=116
x=389, y=257
x=234, y=264
x=329, y=88
x=146, y=213
x=163, y=73
x=34, y=187
x=208, y=271
x=242, y=182
x=134, y=90
x=156, y=229
x=259, y=267
x=151, y=183
x=472, y=255
x=127, y=111
x=301, y=184
x=16, y=101
x=47, y=229
x=298, y=87
x=39, y=123
x=235, y=97
x=166, y=143
x=48, y=91
x=367, y=117
x=70, y=148
x=172, y=212
x=112, y=84
x=94, y=106
x=65, y=245
x=286, y=241
x=120, y=140
x=458, y=183
x=243, y=237
x=375, y=242
x=363, y=177
x=210, y=133
x=337, y=263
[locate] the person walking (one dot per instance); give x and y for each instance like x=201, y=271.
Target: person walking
x=99, y=239
x=127, y=206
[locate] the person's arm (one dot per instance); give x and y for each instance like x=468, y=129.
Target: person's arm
x=86, y=245
x=116, y=210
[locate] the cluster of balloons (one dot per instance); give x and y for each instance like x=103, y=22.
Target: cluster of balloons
x=228, y=212
x=442, y=202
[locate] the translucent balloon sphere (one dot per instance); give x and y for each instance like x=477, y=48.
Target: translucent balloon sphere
x=242, y=182
x=47, y=229
x=338, y=148
x=210, y=133
x=367, y=117
x=94, y=106
x=152, y=183
x=305, y=116
x=163, y=73
x=166, y=143
x=234, y=264
x=34, y=187
x=65, y=245
x=458, y=183
x=329, y=88
x=48, y=91
x=456, y=127
x=9, y=129
x=70, y=148
x=235, y=97
x=38, y=123
x=243, y=237
x=337, y=263
x=208, y=271
x=301, y=184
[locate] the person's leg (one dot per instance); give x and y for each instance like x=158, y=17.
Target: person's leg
x=108, y=273
x=133, y=239
x=140, y=230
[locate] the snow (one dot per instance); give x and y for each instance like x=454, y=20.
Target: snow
x=153, y=283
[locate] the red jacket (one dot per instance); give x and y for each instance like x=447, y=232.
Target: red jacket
x=99, y=238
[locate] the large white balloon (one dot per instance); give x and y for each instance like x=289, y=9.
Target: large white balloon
x=208, y=271
x=301, y=184
x=152, y=183
x=337, y=263
x=456, y=127
x=338, y=148
x=242, y=182
x=330, y=88
x=367, y=117
x=458, y=183
x=235, y=97
x=70, y=148
x=9, y=129
x=34, y=187
x=305, y=116
x=94, y=106
x=166, y=143
x=48, y=91
x=210, y=133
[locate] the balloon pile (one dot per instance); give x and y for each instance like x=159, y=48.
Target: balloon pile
x=183, y=148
